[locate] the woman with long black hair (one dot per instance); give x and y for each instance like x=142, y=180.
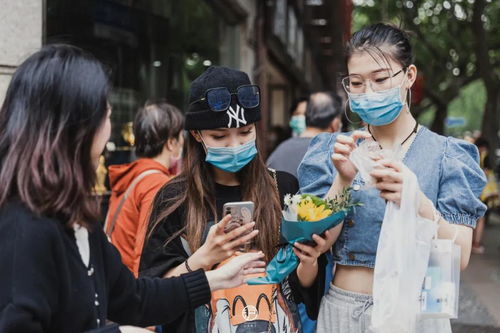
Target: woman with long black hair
x=222, y=164
x=58, y=271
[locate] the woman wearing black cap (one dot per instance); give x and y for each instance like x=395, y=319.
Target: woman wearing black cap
x=58, y=271
x=223, y=164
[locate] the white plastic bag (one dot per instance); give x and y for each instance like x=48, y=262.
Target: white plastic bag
x=365, y=157
x=401, y=262
x=402, y=254
x=440, y=290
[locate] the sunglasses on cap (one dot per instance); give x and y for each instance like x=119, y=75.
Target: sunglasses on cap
x=219, y=99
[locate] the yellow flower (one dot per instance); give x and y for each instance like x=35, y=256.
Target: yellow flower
x=308, y=211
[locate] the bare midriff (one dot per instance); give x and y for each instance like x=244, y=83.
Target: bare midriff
x=354, y=278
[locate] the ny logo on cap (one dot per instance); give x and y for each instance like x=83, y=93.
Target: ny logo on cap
x=238, y=116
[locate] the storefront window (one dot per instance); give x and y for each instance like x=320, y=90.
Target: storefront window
x=153, y=48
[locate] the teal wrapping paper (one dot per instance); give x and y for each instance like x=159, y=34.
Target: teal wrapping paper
x=285, y=261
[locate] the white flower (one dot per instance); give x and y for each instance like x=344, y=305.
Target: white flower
x=289, y=215
x=296, y=199
x=288, y=200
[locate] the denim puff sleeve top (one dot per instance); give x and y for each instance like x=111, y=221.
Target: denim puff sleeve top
x=448, y=173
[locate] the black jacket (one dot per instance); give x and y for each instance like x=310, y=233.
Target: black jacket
x=46, y=287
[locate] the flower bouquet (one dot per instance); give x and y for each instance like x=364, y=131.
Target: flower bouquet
x=304, y=215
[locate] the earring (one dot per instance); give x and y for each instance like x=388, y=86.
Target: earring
x=347, y=117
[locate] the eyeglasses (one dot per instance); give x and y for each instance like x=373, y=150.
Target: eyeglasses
x=219, y=99
x=381, y=80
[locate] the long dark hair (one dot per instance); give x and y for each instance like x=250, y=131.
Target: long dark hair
x=55, y=103
x=198, y=194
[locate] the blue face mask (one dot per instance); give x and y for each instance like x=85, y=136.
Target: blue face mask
x=231, y=159
x=298, y=124
x=377, y=108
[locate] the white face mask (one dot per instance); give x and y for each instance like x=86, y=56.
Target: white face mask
x=379, y=107
x=175, y=161
x=177, y=158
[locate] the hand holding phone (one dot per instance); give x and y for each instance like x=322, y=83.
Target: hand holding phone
x=220, y=245
x=241, y=213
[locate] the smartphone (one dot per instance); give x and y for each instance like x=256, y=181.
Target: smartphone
x=241, y=213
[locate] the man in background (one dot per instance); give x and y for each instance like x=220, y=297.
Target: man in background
x=323, y=114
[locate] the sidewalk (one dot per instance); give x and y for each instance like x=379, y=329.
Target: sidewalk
x=480, y=287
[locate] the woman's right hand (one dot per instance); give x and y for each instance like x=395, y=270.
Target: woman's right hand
x=234, y=273
x=343, y=147
x=221, y=245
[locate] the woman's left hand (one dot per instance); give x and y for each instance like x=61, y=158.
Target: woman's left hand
x=235, y=271
x=389, y=180
x=309, y=254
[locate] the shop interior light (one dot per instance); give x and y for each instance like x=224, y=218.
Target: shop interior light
x=319, y=22
x=314, y=2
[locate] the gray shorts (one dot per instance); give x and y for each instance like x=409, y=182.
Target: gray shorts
x=345, y=311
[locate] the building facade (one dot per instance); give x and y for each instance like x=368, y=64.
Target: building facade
x=19, y=21
x=154, y=48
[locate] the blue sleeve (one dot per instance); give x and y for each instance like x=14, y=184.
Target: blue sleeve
x=316, y=171
x=461, y=183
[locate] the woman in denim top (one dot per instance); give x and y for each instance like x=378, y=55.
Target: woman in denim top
x=381, y=73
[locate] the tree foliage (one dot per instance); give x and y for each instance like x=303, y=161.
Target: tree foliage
x=445, y=43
